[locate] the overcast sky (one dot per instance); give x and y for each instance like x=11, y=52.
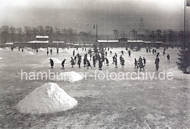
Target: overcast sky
x=81, y=14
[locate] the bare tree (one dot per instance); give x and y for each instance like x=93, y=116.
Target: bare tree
x=4, y=34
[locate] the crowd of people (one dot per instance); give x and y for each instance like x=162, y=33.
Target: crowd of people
x=100, y=57
x=94, y=58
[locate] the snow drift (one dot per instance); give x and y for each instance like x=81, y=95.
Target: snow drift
x=27, y=52
x=70, y=76
x=55, y=60
x=42, y=49
x=48, y=98
x=178, y=74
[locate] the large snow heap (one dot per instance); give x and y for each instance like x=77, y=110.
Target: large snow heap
x=48, y=98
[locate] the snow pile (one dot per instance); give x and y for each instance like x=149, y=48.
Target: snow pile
x=70, y=76
x=42, y=49
x=55, y=60
x=29, y=53
x=178, y=74
x=6, y=48
x=48, y=98
x=47, y=61
x=1, y=58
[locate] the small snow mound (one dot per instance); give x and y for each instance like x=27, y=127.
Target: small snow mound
x=48, y=98
x=55, y=60
x=1, y=58
x=177, y=73
x=47, y=61
x=70, y=76
x=30, y=53
x=42, y=49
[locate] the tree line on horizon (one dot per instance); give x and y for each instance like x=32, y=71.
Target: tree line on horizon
x=28, y=33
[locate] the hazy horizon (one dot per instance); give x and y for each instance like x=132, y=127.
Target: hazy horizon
x=123, y=15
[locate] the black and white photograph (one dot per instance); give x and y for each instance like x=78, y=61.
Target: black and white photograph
x=94, y=64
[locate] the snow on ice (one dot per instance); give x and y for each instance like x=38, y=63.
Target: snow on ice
x=70, y=76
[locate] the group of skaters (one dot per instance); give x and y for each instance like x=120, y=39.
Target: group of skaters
x=49, y=51
x=99, y=57
x=140, y=63
x=94, y=58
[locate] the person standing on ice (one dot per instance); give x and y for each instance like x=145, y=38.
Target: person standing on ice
x=106, y=53
x=84, y=60
x=94, y=60
x=51, y=63
x=153, y=51
x=88, y=64
x=72, y=62
x=90, y=56
x=122, y=52
x=168, y=57
x=144, y=61
x=122, y=61
x=129, y=53
x=140, y=63
x=47, y=52
x=158, y=54
x=115, y=61
x=75, y=58
x=146, y=50
x=164, y=51
x=136, y=63
x=79, y=60
x=51, y=51
x=100, y=63
x=57, y=50
x=107, y=61
x=73, y=52
x=115, y=56
x=63, y=63
x=157, y=61
x=12, y=48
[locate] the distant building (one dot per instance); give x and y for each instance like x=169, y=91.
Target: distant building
x=109, y=43
x=40, y=39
